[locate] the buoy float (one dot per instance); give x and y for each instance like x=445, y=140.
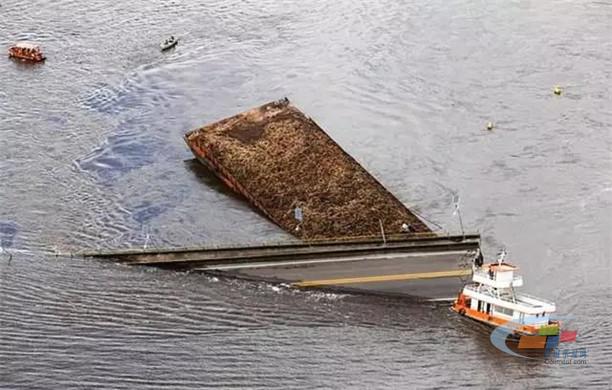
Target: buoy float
x=490, y=126
x=557, y=90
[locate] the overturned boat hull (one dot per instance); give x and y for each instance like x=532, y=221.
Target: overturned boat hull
x=424, y=268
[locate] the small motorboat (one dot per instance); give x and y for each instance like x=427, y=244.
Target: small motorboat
x=26, y=51
x=491, y=298
x=168, y=43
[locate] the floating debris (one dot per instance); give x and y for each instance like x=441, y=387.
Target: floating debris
x=490, y=126
x=557, y=90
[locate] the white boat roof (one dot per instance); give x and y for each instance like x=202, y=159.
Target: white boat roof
x=27, y=45
x=500, y=267
x=523, y=303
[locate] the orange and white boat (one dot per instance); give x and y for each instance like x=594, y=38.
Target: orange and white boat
x=491, y=298
x=26, y=51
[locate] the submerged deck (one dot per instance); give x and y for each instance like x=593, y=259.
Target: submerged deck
x=429, y=267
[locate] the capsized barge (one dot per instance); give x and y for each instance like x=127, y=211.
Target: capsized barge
x=430, y=268
x=286, y=166
x=355, y=235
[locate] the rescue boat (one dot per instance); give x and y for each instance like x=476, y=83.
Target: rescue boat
x=491, y=298
x=168, y=43
x=26, y=51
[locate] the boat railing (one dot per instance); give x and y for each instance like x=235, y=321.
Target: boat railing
x=525, y=300
x=535, y=299
x=475, y=288
x=116, y=244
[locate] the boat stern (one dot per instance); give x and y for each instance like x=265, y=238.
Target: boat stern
x=461, y=304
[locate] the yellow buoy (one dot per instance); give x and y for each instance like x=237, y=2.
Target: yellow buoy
x=557, y=90
x=490, y=126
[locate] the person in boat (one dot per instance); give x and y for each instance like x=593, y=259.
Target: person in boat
x=479, y=260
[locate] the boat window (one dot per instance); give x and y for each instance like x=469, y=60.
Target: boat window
x=503, y=310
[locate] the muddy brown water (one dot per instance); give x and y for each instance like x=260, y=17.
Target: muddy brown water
x=92, y=156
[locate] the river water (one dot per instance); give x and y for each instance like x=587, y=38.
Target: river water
x=92, y=157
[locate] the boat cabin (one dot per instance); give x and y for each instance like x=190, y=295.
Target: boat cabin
x=498, y=275
x=26, y=51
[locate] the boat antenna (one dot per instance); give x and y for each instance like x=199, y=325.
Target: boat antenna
x=147, y=237
x=382, y=232
x=501, y=256
x=458, y=213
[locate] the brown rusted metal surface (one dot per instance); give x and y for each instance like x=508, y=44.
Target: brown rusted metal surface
x=279, y=159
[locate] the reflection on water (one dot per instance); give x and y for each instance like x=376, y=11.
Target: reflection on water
x=92, y=156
